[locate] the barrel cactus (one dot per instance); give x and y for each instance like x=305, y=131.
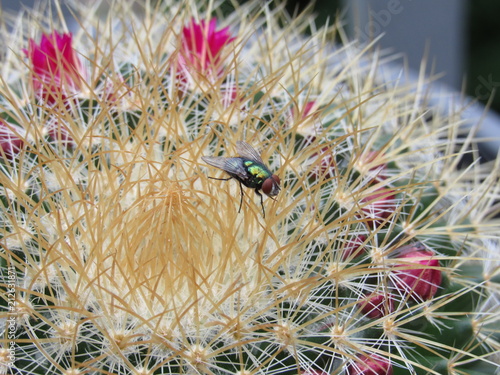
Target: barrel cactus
x=121, y=254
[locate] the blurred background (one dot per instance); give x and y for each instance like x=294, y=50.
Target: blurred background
x=460, y=38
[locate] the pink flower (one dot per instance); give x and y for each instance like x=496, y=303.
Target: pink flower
x=10, y=140
x=370, y=365
x=421, y=283
x=377, y=305
x=56, y=69
x=202, y=46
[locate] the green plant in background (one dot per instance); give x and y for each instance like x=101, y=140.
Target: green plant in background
x=121, y=256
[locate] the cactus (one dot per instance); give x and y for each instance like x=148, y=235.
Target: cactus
x=121, y=255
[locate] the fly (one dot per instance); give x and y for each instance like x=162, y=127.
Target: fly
x=248, y=169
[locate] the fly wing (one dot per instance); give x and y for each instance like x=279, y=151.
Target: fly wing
x=232, y=166
x=248, y=152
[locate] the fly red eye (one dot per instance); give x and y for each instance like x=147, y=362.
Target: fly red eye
x=267, y=186
x=276, y=179
x=271, y=186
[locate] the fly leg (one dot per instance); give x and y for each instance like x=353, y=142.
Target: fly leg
x=241, y=189
x=220, y=179
x=241, y=197
x=261, y=203
x=227, y=179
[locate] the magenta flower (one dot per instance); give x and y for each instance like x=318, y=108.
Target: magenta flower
x=10, y=140
x=202, y=46
x=421, y=283
x=370, y=365
x=57, y=71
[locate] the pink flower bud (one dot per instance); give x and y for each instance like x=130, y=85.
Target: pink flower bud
x=370, y=365
x=56, y=69
x=10, y=141
x=377, y=305
x=201, y=48
x=421, y=283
